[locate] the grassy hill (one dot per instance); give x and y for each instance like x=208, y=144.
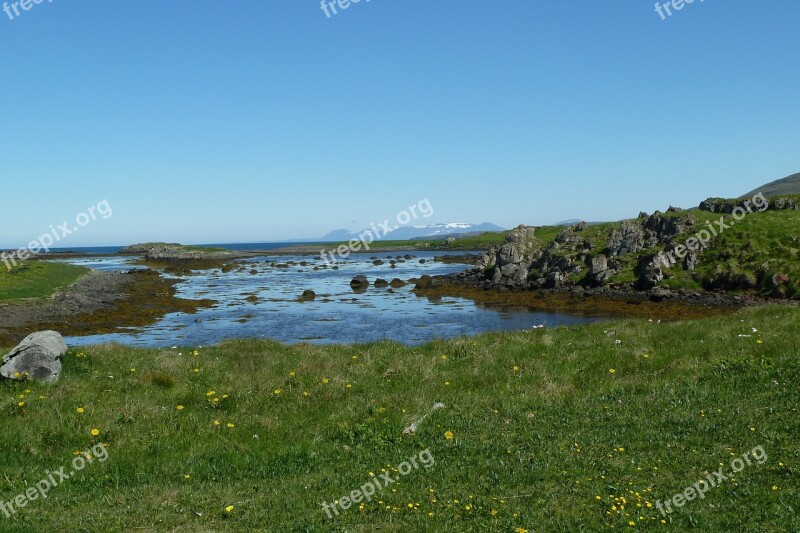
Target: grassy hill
x=781, y=187
x=36, y=279
x=575, y=429
x=760, y=253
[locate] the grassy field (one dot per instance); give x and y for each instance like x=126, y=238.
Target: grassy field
x=572, y=429
x=36, y=279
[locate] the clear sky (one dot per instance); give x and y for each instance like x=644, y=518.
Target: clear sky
x=263, y=120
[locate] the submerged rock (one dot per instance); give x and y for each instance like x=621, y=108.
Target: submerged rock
x=359, y=282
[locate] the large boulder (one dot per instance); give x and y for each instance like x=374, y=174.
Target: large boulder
x=37, y=357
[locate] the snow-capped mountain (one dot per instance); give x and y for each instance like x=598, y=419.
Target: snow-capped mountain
x=430, y=231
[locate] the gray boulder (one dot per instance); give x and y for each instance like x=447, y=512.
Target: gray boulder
x=37, y=357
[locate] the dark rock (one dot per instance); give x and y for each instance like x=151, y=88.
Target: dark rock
x=359, y=282
x=380, y=283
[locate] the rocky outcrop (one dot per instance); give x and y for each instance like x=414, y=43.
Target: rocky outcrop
x=37, y=357
x=755, y=204
x=168, y=252
x=509, y=263
x=574, y=257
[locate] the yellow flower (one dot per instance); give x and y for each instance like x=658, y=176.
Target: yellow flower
x=326, y=380
x=292, y=374
x=306, y=393
x=230, y=425
x=774, y=487
x=79, y=410
x=224, y=396
x=277, y=392
x=349, y=386
x=516, y=368
x=444, y=358
x=133, y=370
x=229, y=509
x=95, y=432
x=612, y=370
x=520, y=530
x=210, y=393
x=196, y=370
x=446, y=383
x=21, y=404
x=448, y=435
x=179, y=407
x=216, y=422
x=493, y=512
x=355, y=357
x=187, y=476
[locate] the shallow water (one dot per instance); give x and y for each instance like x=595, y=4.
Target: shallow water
x=338, y=315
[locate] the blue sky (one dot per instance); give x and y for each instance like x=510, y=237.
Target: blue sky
x=265, y=120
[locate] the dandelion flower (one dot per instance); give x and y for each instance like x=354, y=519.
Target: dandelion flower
x=325, y=380
x=292, y=374
x=448, y=435
x=229, y=509
x=187, y=476
x=277, y=392
x=95, y=432
x=211, y=393
x=79, y=410
x=216, y=422
x=21, y=404
x=179, y=407
x=230, y=425
x=612, y=370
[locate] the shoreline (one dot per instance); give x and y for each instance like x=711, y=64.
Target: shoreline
x=98, y=302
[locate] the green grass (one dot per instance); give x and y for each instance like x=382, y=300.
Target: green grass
x=472, y=242
x=36, y=279
x=541, y=427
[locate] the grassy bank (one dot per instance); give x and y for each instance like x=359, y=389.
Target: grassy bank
x=570, y=429
x=36, y=279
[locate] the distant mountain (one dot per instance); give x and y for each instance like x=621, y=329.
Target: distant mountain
x=431, y=231
x=788, y=185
